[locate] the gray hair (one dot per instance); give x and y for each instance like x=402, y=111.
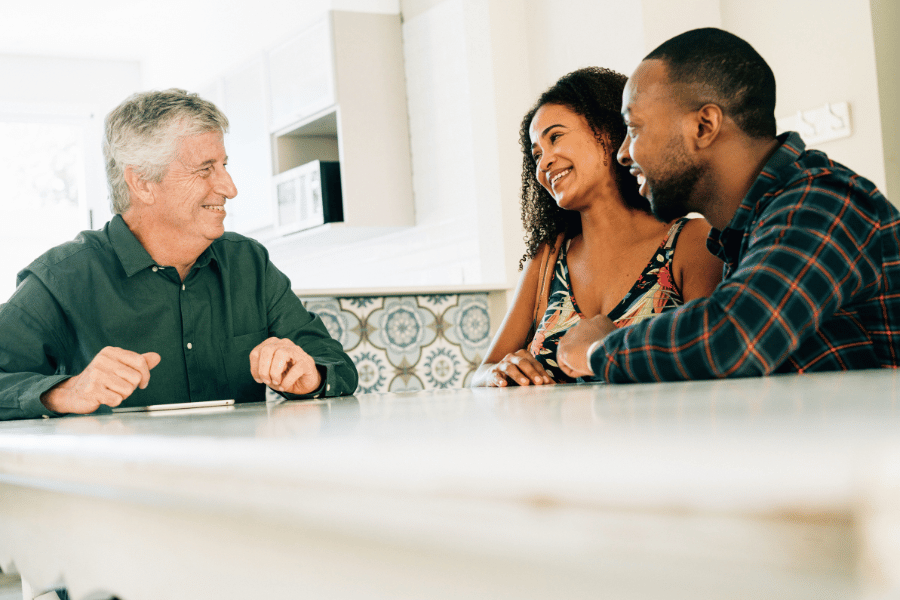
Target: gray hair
x=144, y=133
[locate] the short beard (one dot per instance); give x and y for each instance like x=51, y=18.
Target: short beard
x=672, y=197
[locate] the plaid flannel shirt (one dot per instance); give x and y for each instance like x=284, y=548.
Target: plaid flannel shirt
x=811, y=283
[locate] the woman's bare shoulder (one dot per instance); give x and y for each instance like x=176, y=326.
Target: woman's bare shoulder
x=699, y=270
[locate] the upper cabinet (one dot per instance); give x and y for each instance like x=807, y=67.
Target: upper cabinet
x=335, y=91
x=301, y=74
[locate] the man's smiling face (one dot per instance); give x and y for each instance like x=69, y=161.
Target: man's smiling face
x=190, y=200
x=655, y=148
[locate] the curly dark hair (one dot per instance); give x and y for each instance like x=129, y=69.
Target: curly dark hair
x=596, y=94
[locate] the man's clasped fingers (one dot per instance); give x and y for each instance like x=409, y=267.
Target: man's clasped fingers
x=284, y=366
x=111, y=377
x=114, y=374
x=123, y=369
x=574, y=345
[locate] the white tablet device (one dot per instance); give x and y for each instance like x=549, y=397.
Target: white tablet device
x=179, y=405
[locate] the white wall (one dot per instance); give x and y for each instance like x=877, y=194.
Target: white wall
x=80, y=88
x=663, y=19
x=565, y=35
x=821, y=51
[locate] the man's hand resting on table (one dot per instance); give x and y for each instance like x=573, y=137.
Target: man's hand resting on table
x=285, y=367
x=573, y=346
x=108, y=379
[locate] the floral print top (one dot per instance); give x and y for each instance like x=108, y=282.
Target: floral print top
x=654, y=292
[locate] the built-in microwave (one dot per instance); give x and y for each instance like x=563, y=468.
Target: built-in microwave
x=308, y=196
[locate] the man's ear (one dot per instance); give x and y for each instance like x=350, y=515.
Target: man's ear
x=706, y=125
x=139, y=188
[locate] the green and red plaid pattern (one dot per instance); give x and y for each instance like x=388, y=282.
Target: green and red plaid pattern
x=811, y=283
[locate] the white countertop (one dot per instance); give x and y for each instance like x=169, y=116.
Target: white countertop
x=796, y=475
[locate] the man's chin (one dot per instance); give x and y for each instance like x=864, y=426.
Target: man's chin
x=213, y=234
x=667, y=211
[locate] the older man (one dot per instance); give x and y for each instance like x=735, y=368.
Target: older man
x=811, y=249
x=161, y=305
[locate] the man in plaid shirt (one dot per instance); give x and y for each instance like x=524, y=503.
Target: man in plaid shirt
x=811, y=249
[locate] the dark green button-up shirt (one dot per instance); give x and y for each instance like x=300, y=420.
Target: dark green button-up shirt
x=103, y=289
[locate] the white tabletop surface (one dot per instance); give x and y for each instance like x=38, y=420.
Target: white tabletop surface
x=786, y=485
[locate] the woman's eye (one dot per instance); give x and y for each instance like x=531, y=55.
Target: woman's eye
x=536, y=157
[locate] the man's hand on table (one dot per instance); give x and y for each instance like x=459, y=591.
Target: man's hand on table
x=109, y=378
x=572, y=353
x=284, y=366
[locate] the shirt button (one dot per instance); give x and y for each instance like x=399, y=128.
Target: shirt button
x=182, y=287
x=189, y=346
x=155, y=269
x=328, y=387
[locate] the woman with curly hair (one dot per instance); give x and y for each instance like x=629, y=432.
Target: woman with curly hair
x=592, y=245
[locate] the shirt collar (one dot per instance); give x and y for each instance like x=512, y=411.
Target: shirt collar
x=726, y=243
x=206, y=258
x=789, y=151
x=131, y=253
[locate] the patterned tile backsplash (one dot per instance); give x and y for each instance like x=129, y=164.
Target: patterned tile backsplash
x=407, y=343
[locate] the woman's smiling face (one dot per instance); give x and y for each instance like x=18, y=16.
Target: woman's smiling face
x=570, y=162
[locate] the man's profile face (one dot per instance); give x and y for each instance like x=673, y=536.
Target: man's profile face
x=190, y=200
x=655, y=148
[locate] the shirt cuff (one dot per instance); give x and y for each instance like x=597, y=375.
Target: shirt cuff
x=324, y=386
x=320, y=392
x=31, y=405
x=590, y=352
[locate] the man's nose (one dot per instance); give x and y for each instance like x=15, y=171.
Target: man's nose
x=622, y=155
x=225, y=185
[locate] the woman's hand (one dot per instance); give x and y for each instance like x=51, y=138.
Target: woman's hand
x=519, y=367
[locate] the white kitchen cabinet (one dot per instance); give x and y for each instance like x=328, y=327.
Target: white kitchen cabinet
x=302, y=75
x=355, y=62
x=334, y=91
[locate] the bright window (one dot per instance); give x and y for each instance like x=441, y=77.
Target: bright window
x=42, y=192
